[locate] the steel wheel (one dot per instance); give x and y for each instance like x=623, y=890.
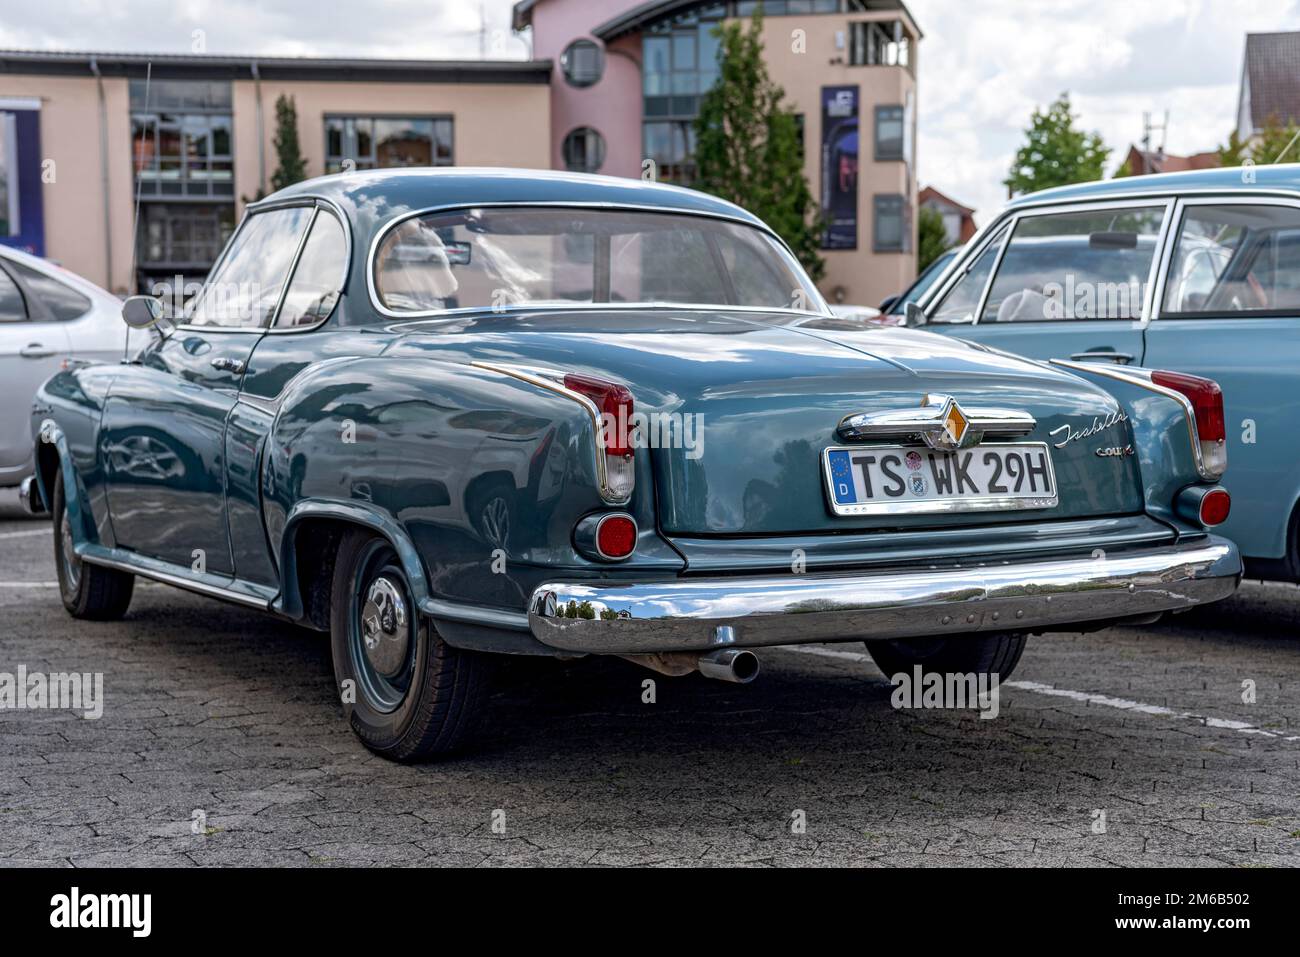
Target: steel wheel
x=383, y=629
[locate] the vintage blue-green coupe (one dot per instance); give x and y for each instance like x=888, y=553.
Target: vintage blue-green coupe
x=447, y=415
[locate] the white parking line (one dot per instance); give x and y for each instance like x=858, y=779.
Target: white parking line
x=1083, y=697
x=29, y=584
x=28, y=533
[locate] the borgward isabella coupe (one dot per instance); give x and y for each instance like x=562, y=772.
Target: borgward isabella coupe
x=413, y=428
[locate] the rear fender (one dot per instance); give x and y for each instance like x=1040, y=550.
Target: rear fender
x=1161, y=440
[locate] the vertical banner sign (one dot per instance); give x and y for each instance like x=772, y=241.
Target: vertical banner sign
x=840, y=166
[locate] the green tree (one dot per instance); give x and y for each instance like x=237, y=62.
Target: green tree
x=1055, y=152
x=1275, y=142
x=292, y=167
x=932, y=238
x=747, y=145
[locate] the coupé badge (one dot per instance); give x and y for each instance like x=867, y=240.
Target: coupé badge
x=1115, y=452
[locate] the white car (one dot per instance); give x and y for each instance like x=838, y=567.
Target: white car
x=48, y=316
x=861, y=313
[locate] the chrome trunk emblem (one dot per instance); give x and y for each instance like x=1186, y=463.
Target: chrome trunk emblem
x=940, y=422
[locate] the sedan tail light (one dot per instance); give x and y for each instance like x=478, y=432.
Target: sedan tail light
x=614, y=436
x=1206, y=400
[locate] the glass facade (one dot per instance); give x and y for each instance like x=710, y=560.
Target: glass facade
x=386, y=142
x=181, y=138
x=680, y=64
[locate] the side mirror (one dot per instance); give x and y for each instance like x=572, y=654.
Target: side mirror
x=912, y=315
x=142, y=312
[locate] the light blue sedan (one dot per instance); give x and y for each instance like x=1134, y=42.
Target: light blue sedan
x=1193, y=272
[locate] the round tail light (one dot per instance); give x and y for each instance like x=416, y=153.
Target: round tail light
x=616, y=536
x=1215, y=506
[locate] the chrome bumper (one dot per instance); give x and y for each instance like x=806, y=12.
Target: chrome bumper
x=29, y=496
x=700, y=614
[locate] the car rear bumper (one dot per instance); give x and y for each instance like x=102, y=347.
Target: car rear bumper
x=690, y=614
x=30, y=496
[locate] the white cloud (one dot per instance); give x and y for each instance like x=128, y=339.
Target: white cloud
x=983, y=66
x=983, y=69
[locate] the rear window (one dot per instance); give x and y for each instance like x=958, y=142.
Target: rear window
x=60, y=299
x=507, y=256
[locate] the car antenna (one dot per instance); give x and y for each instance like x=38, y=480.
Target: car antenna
x=135, y=223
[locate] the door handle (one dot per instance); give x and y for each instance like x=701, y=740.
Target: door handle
x=35, y=350
x=1119, y=358
x=227, y=364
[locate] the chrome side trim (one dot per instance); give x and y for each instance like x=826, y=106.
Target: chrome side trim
x=1142, y=379
x=701, y=614
x=155, y=570
x=474, y=614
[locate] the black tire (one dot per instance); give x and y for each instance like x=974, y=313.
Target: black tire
x=411, y=696
x=963, y=654
x=88, y=591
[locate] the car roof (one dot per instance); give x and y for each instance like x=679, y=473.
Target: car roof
x=1284, y=177
x=375, y=196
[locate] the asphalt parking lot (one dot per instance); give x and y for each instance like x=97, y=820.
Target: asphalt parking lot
x=222, y=742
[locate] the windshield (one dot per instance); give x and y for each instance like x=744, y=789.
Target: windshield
x=503, y=256
x=923, y=282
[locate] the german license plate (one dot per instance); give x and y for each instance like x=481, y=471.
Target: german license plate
x=879, y=480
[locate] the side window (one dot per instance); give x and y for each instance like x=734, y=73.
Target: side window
x=314, y=288
x=1235, y=261
x=245, y=288
x=1087, y=264
x=12, y=306
x=61, y=300
x=963, y=299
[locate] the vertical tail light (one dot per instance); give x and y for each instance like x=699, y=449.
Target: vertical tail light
x=1206, y=399
x=614, y=435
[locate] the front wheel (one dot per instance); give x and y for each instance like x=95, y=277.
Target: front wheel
x=88, y=591
x=407, y=694
x=963, y=654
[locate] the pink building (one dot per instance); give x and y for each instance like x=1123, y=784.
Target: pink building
x=628, y=77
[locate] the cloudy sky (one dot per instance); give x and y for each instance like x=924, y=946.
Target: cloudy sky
x=985, y=64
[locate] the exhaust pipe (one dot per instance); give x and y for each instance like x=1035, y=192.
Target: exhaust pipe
x=728, y=664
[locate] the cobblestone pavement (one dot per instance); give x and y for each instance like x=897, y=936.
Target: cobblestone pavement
x=217, y=710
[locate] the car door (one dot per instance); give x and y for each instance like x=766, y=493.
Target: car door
x=33, y=343
x=1229, y=310
x=1061, y=282
x=164, y=425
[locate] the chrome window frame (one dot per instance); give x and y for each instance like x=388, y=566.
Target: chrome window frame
x=1013, y=218
x=1253, y=198
x=394, y=222
x=317, y=204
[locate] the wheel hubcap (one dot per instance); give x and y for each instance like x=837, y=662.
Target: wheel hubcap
x=384, y=632
x=71, y=563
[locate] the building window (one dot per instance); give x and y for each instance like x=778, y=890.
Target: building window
x=385, y=142
x=181, y=138
x=889, y=133
x=781, y=8
x=671, y=145
x=890, y=227
x=584, y=150
x=875, y=43
x=582, y=63
x=183, y=238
